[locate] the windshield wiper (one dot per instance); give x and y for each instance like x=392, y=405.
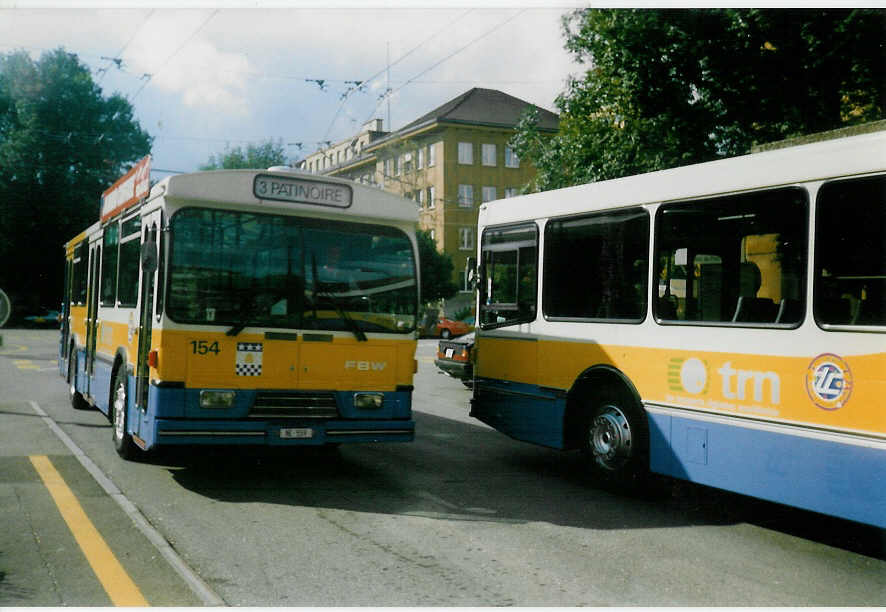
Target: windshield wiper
x=352, y=325
x=249, y=315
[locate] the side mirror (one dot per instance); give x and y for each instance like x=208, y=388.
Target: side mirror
x=471, y=266
x=149, y=257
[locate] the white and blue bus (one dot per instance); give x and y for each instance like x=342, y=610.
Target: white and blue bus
x=722, y=323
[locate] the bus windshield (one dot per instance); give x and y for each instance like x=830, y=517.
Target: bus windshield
x=240, y=269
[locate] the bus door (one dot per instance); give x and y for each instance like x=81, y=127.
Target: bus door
x=95, y=251
x=151, y=228
x=65, y=316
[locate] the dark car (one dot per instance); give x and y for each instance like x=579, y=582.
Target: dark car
x=454, y=358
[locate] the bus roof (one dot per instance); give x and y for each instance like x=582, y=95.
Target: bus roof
x=285, y=191
x=848, y=156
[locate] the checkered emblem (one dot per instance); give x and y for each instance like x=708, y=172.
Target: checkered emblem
x=249, y=356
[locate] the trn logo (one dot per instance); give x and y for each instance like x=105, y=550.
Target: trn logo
x=692, y=376
x=365, y=366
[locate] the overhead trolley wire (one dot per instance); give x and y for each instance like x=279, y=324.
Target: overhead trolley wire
x=448, y=57
x=347, y=94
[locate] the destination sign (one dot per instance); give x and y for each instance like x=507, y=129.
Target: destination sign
x=291, y=189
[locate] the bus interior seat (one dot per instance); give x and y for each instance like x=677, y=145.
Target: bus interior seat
x=789, y=311
x=665, y=308
x=836, y=311
x=755, y=310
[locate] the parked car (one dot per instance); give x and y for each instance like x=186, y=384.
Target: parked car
x=454, y=358
x=448, y=328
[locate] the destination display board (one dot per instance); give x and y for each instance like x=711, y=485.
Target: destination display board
x=302, y=191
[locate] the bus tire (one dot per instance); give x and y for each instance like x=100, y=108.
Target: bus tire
x=123, y=443
x=77, y=401
x=615, y=438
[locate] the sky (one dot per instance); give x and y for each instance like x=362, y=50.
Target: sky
x=203, y=77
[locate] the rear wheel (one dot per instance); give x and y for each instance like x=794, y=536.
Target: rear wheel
x=77, y=401
x=616, y=438
x=123, y=443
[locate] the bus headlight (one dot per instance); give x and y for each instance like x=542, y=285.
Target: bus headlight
x=368, y=401
x=216, y=399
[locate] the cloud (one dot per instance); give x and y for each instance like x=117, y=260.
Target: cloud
x=176, y=51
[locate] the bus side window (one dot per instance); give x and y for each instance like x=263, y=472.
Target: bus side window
x=737, y=259
x=850, y=253
x=508, y=276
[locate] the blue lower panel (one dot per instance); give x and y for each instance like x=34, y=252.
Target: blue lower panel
x=174, y=417
x=523, y=412
x=823, y=475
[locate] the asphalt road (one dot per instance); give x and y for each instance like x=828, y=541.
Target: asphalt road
x=463, y=516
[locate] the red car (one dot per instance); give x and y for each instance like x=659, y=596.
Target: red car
x=447, y=328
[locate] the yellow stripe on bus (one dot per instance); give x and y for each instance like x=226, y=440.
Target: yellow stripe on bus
x=114, y=579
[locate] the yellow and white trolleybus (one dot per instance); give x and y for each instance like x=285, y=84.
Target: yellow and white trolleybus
x=723, y=323
x=244, y=307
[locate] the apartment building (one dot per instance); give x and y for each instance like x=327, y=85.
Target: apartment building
x=449, y=161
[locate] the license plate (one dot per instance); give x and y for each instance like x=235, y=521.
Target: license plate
x=296, y=432
x=449, y=352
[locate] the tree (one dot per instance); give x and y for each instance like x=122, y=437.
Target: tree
x=665, y=88
x=61, y=145
x=435, y=269
x=264, y=155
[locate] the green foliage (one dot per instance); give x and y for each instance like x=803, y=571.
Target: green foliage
x=61, y=145
x=264, y=155
x=435, y=269
x=666, y=88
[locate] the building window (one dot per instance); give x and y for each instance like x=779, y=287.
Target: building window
x=466, y=153
x=488, y=151
x=433, y=233
x=432, y=155
x=432, y=202
x=466, y=196
x=511, y=192
x=511, y=159
x=396, y=166
x=489, y=194
x=419, y=159
x=421, y=198
x=466, y=238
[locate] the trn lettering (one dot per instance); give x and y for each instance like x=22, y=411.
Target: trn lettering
x=743, y=377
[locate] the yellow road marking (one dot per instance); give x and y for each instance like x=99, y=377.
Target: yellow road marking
x=7, y=349
x=25, y=364
x=114, y=579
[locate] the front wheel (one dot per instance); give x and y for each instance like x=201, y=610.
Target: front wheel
x=123, y=443
x=616, y=439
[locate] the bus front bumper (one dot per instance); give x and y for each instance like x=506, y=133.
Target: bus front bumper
x=174, y=431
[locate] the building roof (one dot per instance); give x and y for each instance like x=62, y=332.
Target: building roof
x=483, y=107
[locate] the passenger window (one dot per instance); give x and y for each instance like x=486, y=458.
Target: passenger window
x=738, y=259
x=850, y=253
x=109, y=265
x=596, y=266
x=508, y=276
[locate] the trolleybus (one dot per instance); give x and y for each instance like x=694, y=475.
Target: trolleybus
x=722, y=323
x=244, y=307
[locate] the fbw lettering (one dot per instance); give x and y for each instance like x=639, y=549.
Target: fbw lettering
x=365, y=366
